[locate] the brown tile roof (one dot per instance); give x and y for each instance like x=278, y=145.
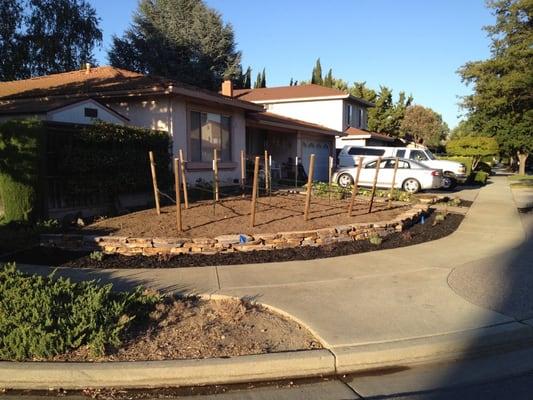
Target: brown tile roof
x=45, y=104
x=351, y=131
x=290, y=123
x=106, y=81
x=292, y=93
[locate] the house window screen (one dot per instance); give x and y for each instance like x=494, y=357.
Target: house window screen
x=209, y=131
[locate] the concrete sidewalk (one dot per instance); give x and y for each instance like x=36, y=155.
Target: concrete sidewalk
x=386, y=306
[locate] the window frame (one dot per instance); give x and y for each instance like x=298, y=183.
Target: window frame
x=202, y=110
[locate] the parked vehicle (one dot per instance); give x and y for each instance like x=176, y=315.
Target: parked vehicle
x=453, y=172
x=411, y=175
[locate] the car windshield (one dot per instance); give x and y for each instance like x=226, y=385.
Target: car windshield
x=430, y=155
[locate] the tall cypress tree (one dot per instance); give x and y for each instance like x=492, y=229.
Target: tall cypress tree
x=328, y=79
x=263, y=79
x=316, y=76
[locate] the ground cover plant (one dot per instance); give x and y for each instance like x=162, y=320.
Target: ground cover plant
x=41, y=317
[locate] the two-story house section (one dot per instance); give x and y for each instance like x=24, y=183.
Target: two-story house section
x=328, y=107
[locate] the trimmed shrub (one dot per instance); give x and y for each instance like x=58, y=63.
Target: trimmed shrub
x=41, y=317
x=480, y=177
x=20, y=146
x=107, y=158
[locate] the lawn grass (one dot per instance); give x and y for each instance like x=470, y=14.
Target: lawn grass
x=521, y=181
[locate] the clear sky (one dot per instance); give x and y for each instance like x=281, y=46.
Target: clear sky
x=411, y=45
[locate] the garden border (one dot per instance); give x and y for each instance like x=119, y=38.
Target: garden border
x=157, y=246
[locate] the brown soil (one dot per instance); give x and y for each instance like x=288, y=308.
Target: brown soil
x=419, y=233
x=280, y=213
x=191, y=328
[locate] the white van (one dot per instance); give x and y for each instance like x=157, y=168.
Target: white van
x=453, y=172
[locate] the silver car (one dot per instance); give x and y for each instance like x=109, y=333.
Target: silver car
x=411, y=175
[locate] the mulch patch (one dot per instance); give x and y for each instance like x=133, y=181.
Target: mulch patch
x=192, y=328
x=418, y=233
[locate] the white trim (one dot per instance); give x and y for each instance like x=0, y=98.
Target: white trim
x=298, y=99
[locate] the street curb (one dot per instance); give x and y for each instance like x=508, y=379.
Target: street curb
x=150, y=374
x=350, y=359
x=264, y=367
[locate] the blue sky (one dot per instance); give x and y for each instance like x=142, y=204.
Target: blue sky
x=411, y=45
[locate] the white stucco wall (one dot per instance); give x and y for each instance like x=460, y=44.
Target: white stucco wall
x=328, y=113
x=75, y=113
x=340, y=143
x=170, y=114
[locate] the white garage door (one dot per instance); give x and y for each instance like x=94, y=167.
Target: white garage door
x=321, y=152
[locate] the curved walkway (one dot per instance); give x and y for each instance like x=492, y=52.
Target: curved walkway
x=364, y=304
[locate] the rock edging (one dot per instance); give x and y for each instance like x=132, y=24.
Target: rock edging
x=233, y=243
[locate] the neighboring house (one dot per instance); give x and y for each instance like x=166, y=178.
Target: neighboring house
x=198, y=120
x=328, y=107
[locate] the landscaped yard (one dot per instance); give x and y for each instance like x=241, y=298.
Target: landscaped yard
x=85, y=321
x=280, y=213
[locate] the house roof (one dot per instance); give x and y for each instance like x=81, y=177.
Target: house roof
x=45, y=105
x=108, y=81
x=292, y=93
x=362, y=133
x=275, y=120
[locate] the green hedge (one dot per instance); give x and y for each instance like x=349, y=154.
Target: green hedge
x=107, y=158
x=20, y=157
x=480, y=177
x=41, y=317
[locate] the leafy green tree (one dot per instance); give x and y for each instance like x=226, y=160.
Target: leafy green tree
x=423, y=125
x=476, y=147
x=12, y=47
x=316, y=76
x=40, y=37
x=359, y=89
x=62, y=35
x=463, y=129
x=180, y=39
x=501, y=103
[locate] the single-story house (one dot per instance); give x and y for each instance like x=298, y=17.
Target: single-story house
x=198, y=120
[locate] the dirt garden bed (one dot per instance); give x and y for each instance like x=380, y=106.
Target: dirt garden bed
x=193, y=328
x=431, y=229
x=280, y=213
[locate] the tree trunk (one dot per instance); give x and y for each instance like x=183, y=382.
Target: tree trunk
x=522, y=158
x=475, y=162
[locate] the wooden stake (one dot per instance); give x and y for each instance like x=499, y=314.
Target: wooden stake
x=396, y=161
x=309, y=186
x=177, y=174
x=154, y=182
x=254, y=192
x=330, y=174
x=296, y=173
x=243, y=173
x=184, y=180
x=374, y=185
x=266, y=171
x=215, y=173
x=355, y=186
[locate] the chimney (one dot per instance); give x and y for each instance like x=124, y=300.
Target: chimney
x=87, y=68
x=227, y=88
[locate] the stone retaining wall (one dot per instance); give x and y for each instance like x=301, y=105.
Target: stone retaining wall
x=232, y=243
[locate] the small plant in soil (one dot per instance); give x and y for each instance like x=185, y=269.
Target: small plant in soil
x=375, y=239
x=439, y=217
x=96, y=256
x=455, y=202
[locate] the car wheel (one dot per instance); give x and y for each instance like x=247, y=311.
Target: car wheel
x=411, y=185
x=345, y=180
x=448, y=182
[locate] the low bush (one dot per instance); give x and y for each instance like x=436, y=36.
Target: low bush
x=41, y=317
x=20, y=147
x=480, y=177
